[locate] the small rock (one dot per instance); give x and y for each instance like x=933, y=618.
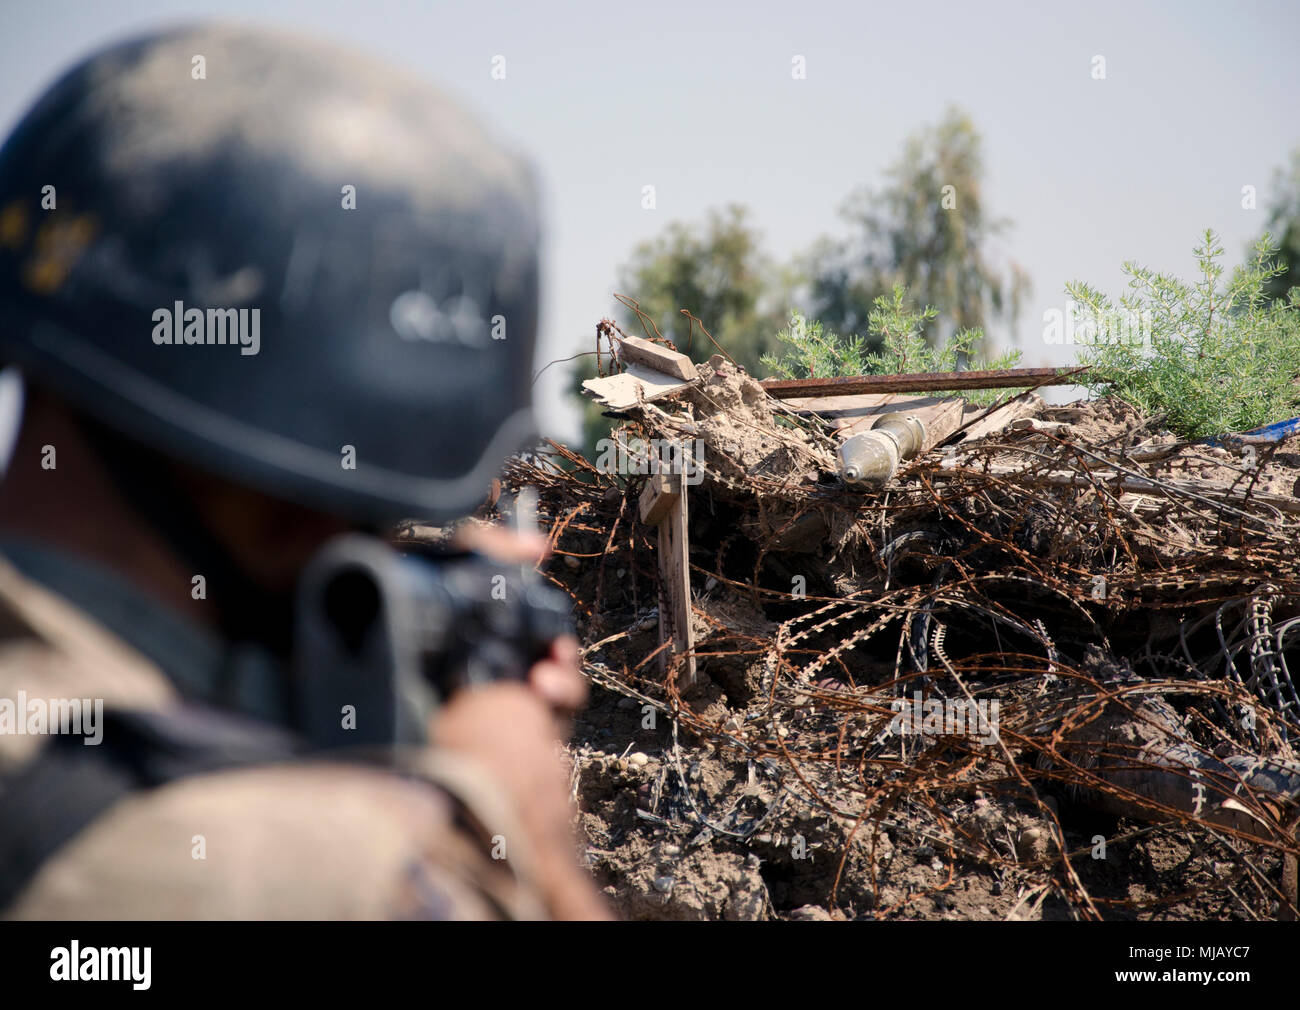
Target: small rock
x=988, y=818
x=638, y=760
x=663, y=885
x=936, y=864
x=748, y=900
x=571, y=561
x=1032, y=845
x=810, y=913
x=626, y=703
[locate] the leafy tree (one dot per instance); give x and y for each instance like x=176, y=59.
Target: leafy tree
x=717, y=272
x=1284, y=222
x=928, y=229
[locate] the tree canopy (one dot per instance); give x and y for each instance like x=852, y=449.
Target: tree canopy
x=929, y=229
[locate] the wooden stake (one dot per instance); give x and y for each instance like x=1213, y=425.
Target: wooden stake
x=663, y=504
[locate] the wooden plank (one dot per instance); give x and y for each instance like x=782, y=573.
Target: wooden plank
x=871, y=456
x=658, y=358
x=663, y=504
x=849, y=408
x=928, y=408
x=942, y=422
x=675, y=590
x=851, y=415
x=853, y=406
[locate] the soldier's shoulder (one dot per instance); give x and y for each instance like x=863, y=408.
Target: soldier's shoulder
x=50, y=649
x=297, y=841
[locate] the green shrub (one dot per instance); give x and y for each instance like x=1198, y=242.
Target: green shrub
x=1213, y=357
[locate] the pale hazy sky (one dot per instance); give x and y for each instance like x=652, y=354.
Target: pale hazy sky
x=697, y=99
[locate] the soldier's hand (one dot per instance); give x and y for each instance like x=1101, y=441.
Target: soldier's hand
x=557, y=680
x=510, y=731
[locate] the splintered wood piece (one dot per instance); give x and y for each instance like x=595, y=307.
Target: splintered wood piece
x=660, y=358
x=945, y=419
x=663, y=504
x=675, y=577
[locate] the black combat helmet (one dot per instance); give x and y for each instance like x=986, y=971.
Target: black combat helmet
x=283, y=263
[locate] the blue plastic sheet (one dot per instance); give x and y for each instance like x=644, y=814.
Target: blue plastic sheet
x=1269, y=433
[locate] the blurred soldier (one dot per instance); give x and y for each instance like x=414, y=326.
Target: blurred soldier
x=261, y=293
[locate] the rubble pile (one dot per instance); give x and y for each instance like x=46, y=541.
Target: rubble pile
x=1043, y=673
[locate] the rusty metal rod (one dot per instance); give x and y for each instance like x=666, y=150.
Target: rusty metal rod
x=850, y=385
